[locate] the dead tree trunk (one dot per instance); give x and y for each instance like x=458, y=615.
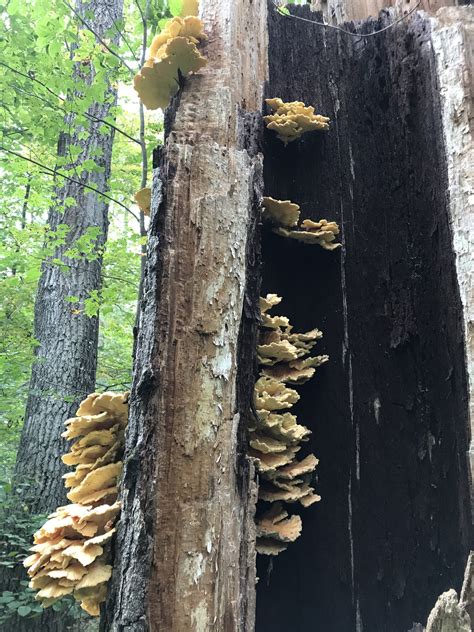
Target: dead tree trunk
x=390, y=412
x=186, y=555
x=66, y=357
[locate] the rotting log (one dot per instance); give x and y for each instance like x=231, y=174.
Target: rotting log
x=185, y=548
x=389, y=412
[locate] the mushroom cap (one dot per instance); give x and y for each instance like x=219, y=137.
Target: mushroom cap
x=292, y=119
x=281, y=212
x=271, y=394
x=277, y=525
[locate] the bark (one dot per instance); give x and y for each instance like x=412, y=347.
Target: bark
x=185, y=547
x=453, y=43
x=448, y=615
x=66, y=357
x=389, y=412
x=339, y=11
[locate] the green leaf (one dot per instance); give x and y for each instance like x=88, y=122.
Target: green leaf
x=23, y=611
x=175, y=7
x=69, y=201
x=284, y=10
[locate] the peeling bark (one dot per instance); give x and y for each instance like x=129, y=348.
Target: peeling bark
x=453, y=44
x=185, y=547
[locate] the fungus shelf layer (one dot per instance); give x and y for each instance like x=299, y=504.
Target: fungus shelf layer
x=69, y=555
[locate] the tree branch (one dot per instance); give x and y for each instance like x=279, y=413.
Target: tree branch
x=122, y=34
x=55, y=172
x=99, y=39
x=85, y=114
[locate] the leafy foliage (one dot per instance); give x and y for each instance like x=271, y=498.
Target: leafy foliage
x=41, y=42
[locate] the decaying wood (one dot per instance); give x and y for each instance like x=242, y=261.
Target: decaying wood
x=339, y=11
x=451, y=614
x=453, y=44
x=186, y=558
x=448, y=615
x=389, y=411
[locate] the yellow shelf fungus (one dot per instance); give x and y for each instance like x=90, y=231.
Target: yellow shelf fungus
x=275, y=437
x=281, y=212
x=291, y=120
x=322, y=233
x=276, y=529
x=68, y=554
x=143, y=200
x=283, y=216
x=172, y=50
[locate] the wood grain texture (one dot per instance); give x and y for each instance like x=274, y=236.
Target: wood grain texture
x=185, y=550
x=389, y=412
x=453, y=45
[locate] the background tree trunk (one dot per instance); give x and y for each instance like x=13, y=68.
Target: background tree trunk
x=185, y=551
x=66, y=357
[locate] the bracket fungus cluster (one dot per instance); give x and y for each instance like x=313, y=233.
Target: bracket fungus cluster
x=283, y=216
x=69, y=556
x=275, y=437
x=173, y=52
x=291, y=120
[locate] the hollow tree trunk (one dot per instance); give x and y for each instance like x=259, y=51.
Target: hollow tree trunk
x=389, y=413
x=186, y=554
x=66, y=357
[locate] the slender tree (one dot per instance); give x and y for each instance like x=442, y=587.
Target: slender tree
x=66, y=356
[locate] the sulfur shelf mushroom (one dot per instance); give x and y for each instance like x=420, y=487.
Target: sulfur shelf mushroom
x=268, y=464
x=66, y=559
x=299, y=491
x=322, y=233
x=276, y=351
x=172, y=52
x=275, y=437
x=68, y=555
x=281, y=212
x=268, y=302
x=276, y=528
x=270, y=394
x=297, y=371
x=143, y=200
x=291, y=120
